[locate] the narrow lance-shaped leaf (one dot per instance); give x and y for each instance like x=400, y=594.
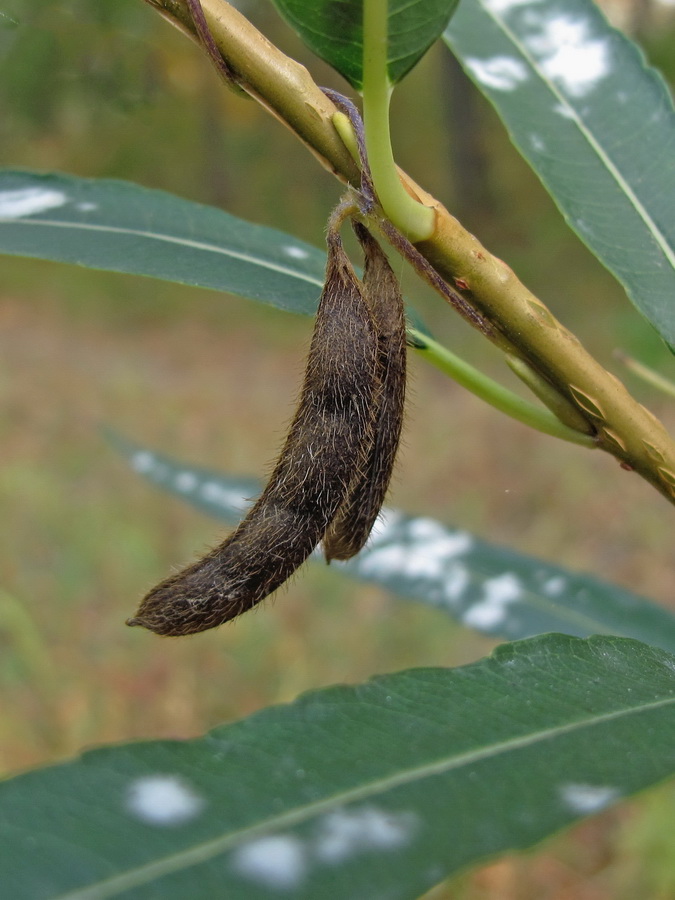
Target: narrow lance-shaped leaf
x=333, y=29
x=377, y=790
x=596, y=124
x=489, y=588
x=122, y=227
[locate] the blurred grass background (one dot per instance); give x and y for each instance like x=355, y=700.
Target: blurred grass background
x=108, y=89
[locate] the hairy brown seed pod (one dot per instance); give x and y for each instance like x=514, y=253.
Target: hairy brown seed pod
x=309, y=482
x=349, y=531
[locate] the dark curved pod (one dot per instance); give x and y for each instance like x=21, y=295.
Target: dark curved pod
x=310, y=480
x=349, y=531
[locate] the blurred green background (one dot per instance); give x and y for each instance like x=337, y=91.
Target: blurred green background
x=107, y=88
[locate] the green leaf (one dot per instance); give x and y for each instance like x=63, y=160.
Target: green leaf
x=377, y=790
x=333, y=29
x=489, y=588
x=596, y=124
x=207, y=490
x=122, y=227
x=125, y=228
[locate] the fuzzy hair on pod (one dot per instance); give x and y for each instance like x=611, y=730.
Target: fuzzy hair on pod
x=349, y=531
x=310, y=480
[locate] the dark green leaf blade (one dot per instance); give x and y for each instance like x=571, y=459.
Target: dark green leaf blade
x=499, y=591
x=596, y=124
x=489, y=588
x=333, y=29
x=122, y=227
x=381, y=789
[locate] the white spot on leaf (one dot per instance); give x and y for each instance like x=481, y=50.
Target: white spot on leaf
x=186, y=481
x=347, y=833
x=554, y=585
x=491, y=609
x=277, y=861
x=587, y=798
x=295, y=252
x=427, y=556
x=563, y=110
x=537, y=143
x=429, y=559
x=583, y=225
x=86, y=207
x=29, y=201
x=424, y=529
x=503, y=7
x=143, y=461
x=568, y=54
x=223, y=496
x=163, y=800
x=383, y=561
x=386, y=520
x=501, y=73
x=456, y=582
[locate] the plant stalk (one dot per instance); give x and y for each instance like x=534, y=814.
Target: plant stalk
x=495, y=394
x=407, y=214
x=521, y=322
x=646, y=374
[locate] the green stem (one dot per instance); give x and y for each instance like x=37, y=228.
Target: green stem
x=646, y=374
x=625, y=429
x=495, y=394
x=414, y=219
x=344, y=128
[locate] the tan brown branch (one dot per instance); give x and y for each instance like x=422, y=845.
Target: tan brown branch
x=522, y=325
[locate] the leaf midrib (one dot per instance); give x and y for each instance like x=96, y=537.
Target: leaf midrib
x=215, y=847
x=260, y=262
